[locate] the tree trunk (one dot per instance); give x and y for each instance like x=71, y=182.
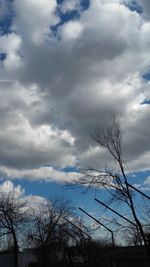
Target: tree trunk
x=15, y=249
x=138, y=223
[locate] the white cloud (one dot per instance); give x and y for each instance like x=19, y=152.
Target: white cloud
x=43, y=173
x=32, y=201
x=34, y=19
x=8, y=187
x=63, y=87
x=10, y=44
x=72, y=30
x=25, y=144
x=147, y=181
x=69, y=5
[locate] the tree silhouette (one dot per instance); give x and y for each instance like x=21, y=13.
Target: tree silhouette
x=116, y=183
x=12, y=217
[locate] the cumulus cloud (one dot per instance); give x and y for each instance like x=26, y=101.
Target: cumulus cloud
x=10, y=44
x=55, y=88
x=71, y=30
x=7, y=187
x=147, y=181
x=32, y=201
x=43, y=173
x=24, y=145
x=146, y=8
x=34, y=19
x=70, y=5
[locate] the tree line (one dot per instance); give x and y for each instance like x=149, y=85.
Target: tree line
x=50, y=229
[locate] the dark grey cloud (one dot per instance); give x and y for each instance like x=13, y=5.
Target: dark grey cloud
x=146, y=8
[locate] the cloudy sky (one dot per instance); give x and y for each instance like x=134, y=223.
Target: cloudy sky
x=66, y=66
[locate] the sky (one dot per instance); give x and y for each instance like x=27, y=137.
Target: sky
x=65, y=67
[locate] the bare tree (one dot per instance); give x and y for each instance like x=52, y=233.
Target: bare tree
x=12, y=216
x=131, y=236
x=116, y=183
x=48, y=229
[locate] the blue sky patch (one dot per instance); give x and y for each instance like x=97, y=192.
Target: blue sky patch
x=59, y=2
x=134, y=6
x=69, y=15
x=70, y=169
x=138, y=177
x=85, y=4
x=2, y=56
x=5, y=25
x=146, y=102
x=79, y=195
x=64, y=18
x=146, y=76
x=7, y=17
